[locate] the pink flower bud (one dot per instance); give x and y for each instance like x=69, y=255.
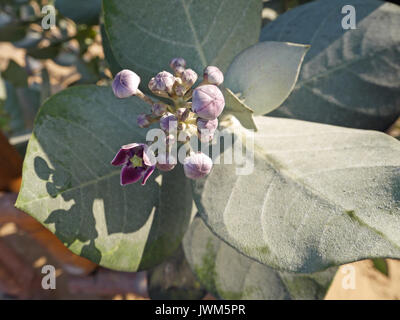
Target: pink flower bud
x=213, y=75
x=158, y=109
x=143, y=120
x=180, y=90
x=168, y=122
x=203, y=124
x=163, y=82
x=208, y=102
x=206, y=129
x=197, y=165
x=189, y=77
x=125, y=84
x=177, y=63
x=183, y=113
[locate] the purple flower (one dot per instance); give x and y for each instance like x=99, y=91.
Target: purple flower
x=163, y=82
x=197, y=165
x=125, y=84
x=213, y=75
x=137, y=162
x=168, y=122
x=143, y=120
x=189, y=77
x=159, y=109
x=208, y=102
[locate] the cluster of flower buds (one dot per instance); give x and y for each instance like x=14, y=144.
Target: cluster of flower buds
x=193, y=111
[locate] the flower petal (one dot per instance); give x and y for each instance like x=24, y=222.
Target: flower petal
x=147, y=174
x=148, y=156
x=130, y=175
x=123, y=154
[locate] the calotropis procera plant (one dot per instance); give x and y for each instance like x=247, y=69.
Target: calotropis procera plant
x=179, y=120
x=318, y=196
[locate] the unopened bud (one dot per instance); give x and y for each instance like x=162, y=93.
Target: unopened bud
x=197, y=165
x=158, y=109
x=125, y=84
x=162, y=82
x=203, y=124
x=177, y=63
x=143, y=120
x=212, y=75
x=208, y=102
x=183, y=113
x=168, y=122
x=189, y=77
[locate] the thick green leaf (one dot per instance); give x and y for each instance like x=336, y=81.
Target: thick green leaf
x=265, y=74
x=108, y=54
x=70, y=186
x=349, y=77
x=146, y=35
x=174, y=280
x=237, y=107
x=86, y=12
x=318, y=196
x=230, y=275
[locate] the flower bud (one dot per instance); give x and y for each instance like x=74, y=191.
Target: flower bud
x=206, y=129
x=158, y=109
x=125, y=84
x=189, y=77
x=208, y=102
x=210, y=125
x=180, y=90
x=177, y=63
x=213, y=75
x=168, y=122
x=183, y=113
x=197, y=165
x=163, y=82
x=143, y=120
x=165, y=162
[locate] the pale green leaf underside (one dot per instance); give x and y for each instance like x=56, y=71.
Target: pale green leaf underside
x=349, y=77
x=146, y=35
x=265, y=74
x=318, y=196
x=70, y=186
x=230, y=275
x=237, y=108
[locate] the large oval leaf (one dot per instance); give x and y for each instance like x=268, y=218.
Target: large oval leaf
x=230, y=275
x=318, y=196
x=146, y=35
x=265, y=74
x=70, y=186
x=349, y=77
